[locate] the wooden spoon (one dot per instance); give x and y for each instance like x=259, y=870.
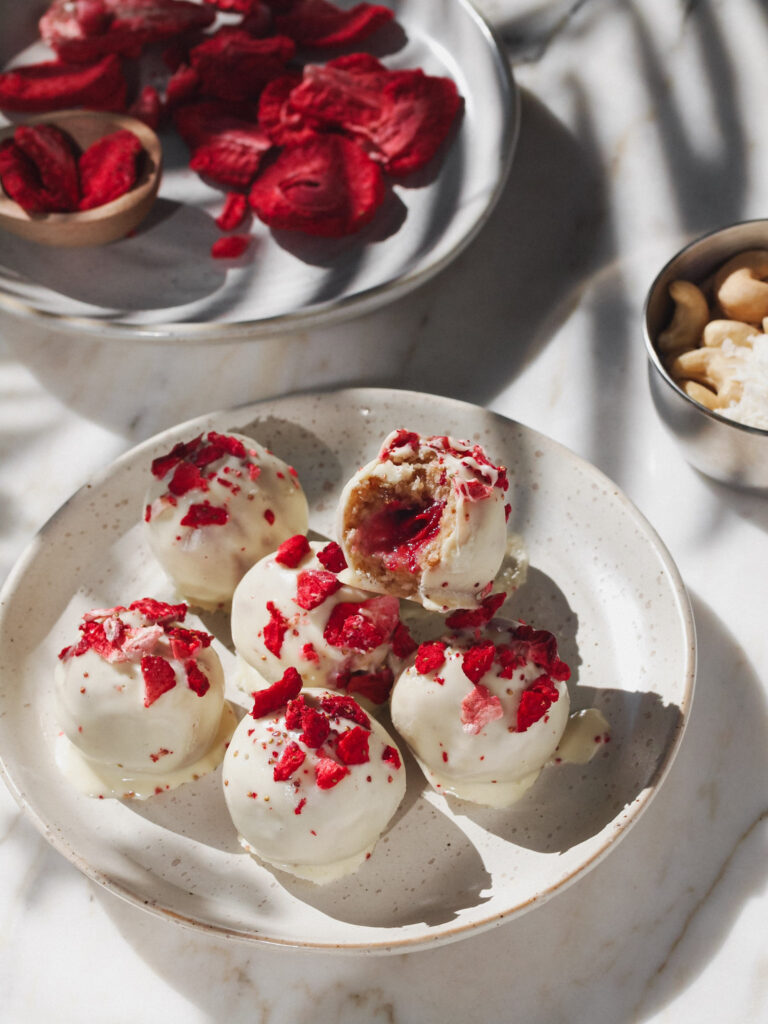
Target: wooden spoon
x=103, y=223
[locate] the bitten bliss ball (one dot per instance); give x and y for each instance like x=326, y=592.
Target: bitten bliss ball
x=425, y=520
x=140, y=702
x=311, y=781
x=291, y=609
x=483, y=709
x=217, y=504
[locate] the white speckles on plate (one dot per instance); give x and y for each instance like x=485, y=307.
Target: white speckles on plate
x=599, y=578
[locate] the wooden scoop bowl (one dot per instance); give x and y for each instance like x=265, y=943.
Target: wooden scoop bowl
x=103, y=223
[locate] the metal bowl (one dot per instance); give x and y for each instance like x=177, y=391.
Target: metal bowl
x=719, y=447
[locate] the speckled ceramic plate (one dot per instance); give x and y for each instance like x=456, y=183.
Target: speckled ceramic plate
x=287, y=281
x=599, y=578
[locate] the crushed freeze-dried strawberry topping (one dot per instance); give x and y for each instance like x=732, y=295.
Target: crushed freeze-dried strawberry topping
x=159, y=677
x=338, y=706
x=478, y=708
x=331, y=557
x=159, y=611
x=352, y=745
x=186, y=642
x=291, y=759
x=403, y=643
x=275, y=629
x=391, y=756
x=293, y=551
x=196, y=680
x=475, y=617
x=205, y=514
x=315, y=727
x=275, y=696
x=186, y=477
x=538, y=646
x=313, y=586
x=374, y=686
x=328, y=773
x=477, y=660
x=430, y=656
x=362, y=625
x=535, y=702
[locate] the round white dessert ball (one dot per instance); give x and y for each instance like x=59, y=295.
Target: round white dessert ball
x=217, y=504
x=141, y=694
x=312, y=784
x=483, y=709
x=426, y=520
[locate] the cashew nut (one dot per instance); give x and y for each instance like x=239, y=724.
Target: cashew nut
x=710, y=367
x=717, y=331
x=688, y=321
x=740, y=286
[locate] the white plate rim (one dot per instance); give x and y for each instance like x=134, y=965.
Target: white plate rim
x=323, y=314
x=620, y=826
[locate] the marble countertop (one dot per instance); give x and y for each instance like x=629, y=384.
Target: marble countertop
x=643, y=125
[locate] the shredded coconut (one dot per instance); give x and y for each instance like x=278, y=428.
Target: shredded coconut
x=751, y=362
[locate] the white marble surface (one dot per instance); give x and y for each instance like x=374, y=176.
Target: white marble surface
x=643, y=125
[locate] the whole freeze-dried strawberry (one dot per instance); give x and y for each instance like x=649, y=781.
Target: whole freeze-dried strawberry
x=80, y=30
x=56, y=85
x=234, y=65
x=109, y=168
x=226, y=145
x=324, y=186
x=52, y=152
x=318, y=23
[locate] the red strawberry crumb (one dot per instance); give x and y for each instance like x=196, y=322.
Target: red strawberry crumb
x=308, y=653
x=158, y=678
x=290, y=761
x=328, y=773
x=205, y=514
x=147, y=513
x=293, y=551
x=391, y=756
x=331, y=557
x=300, y=805
x=254, y=472
x=478, y=660
x=445, y=757
x=275, y=629
x=231, y=247
x=535, y=702
x=314, y=586
x=352, y=746
x=315, y=727
x=196, y=680
x=162, y=752
x=276, y=695
x=403, y=643
x=478, y=708
x=430, y=656
x=339, y=706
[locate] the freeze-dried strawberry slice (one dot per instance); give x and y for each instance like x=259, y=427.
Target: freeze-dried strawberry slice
x=478, y=660
x=339, y=706
x=56, y=85
x=226, y=143
x=20, y=180
x=158, y=678
x=53, y=153
x=291, y=759
x=535, y=702
x=293, y=551
x=200, y=515
x=430, y=656
x=109, y=168
x=278, y=119
x=478, y=708
x=331, y=557
x=352, y=745
x=318, y=23
x=313, y=586
x=233, y=214
x=183, y=85
x=79, y=30
x=159, y=611
x=147, y=107
x=275, y=629
x=234, y=65
x=328, y=773
x=325, y=186
x=276, y=695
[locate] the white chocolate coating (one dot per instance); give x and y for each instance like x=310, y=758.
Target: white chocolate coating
x=455, y=568
x=264, y=504
x=316, y=833
x=321, y=664
x=494, y=765
x=135, y=747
